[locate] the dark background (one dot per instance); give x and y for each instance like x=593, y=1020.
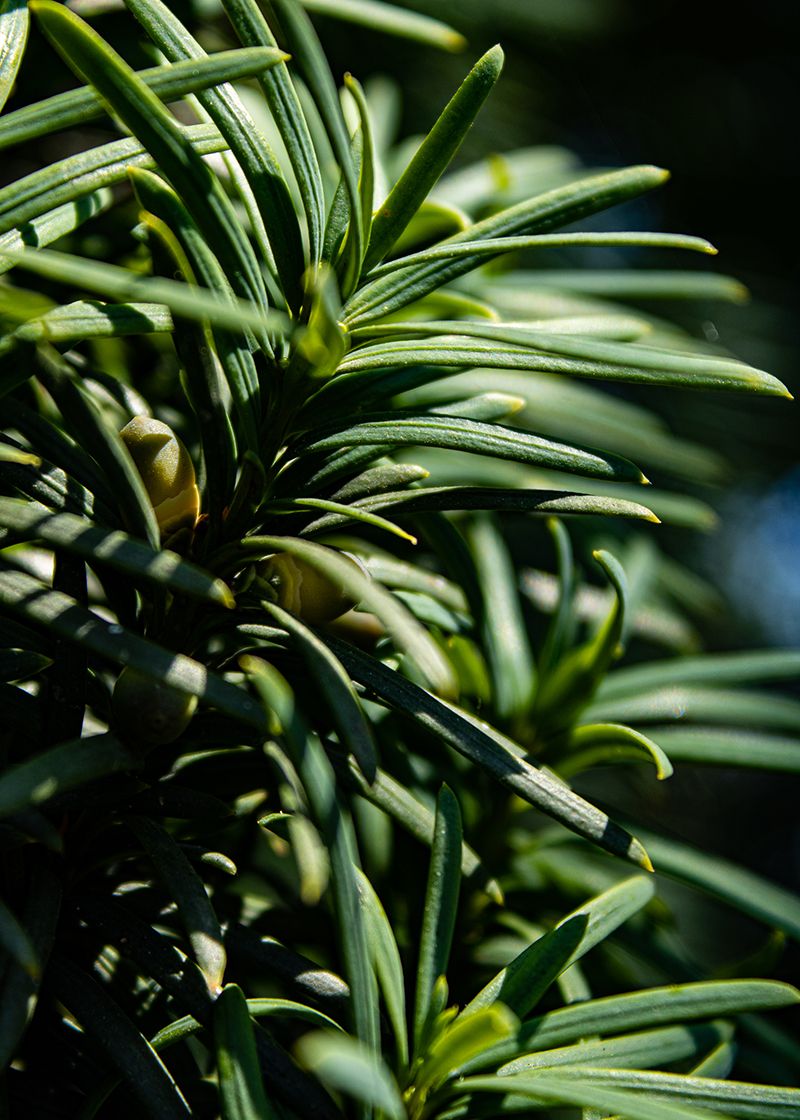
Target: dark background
x=710, y=91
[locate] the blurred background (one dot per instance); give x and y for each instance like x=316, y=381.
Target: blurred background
x=712, y=98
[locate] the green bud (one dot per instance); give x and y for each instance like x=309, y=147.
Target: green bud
x=167, y=472
x=148, y=711
x=304, y=591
